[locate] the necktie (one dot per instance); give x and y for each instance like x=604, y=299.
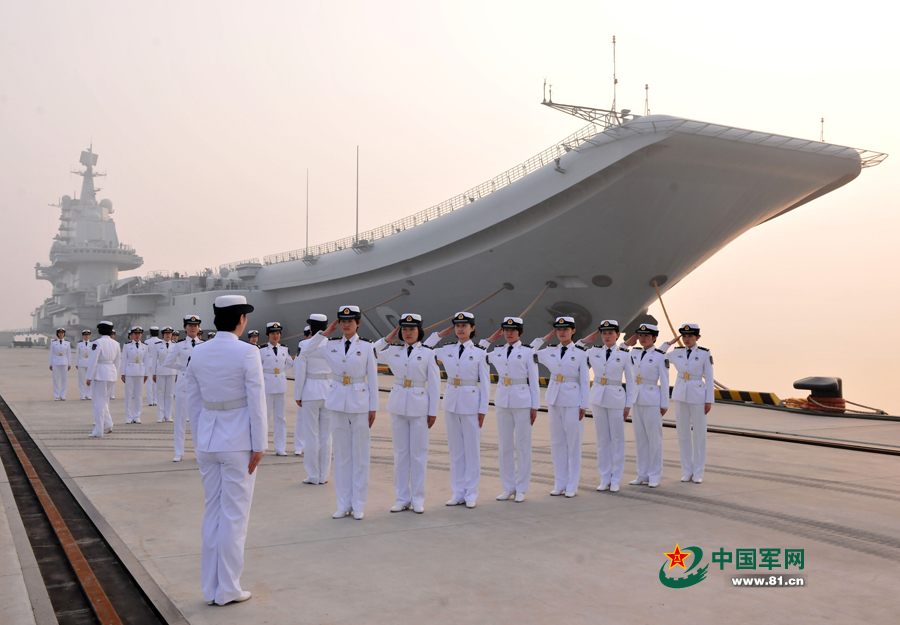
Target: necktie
x=462, y=348
x=643, y=354
x=346, y=346
x=689, y=352
x=408, y=351
x=275, y=351
x=167, y=346
x=608, y=352
x=562, y=352
x=193, y=342
x=508, y=350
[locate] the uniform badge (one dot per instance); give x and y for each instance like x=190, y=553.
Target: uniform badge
x=359, y=353
x=519, y=356
x=696, y=358
x=471, y=357
x=618, y=359
x=418, y=358
x=573, y=358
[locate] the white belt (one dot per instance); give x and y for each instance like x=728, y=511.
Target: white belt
x=273, y=371
x=318, y=376
x=566, y=378
x=640, y=380
x=409, y=383
x=688, y=376
x=232, y=404
x=510, y=381
x=608, y=382
x=347, y=380
x=105, y=362
x=461, y=382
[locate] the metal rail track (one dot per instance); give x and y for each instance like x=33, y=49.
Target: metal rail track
x=85, y=580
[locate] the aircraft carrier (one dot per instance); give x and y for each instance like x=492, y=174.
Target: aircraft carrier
x=589, y=226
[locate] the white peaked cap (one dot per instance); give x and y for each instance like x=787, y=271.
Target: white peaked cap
x=320, y=317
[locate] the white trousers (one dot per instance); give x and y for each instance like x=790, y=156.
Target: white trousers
x=100, y=402
x=514, y=444
x=134, y=388
x=300, y=430
x=228, y=488
x=83, y=389
x=610, y=426
x=60, y=381
x=151, y=390
x=275, y=411
x=464, y=445
x=647, y=422
x=566, y=432
x=165, y=396
x=181, y=421
x=410, y=435
x=690, y=422
x=351, y=459
x=317, y=423
x=112, y=390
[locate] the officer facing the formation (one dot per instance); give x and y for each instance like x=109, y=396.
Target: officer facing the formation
x=275, y=361
x=210, y=335
x=112, y=388
x=610, y=403
x=413, y=404
x=82, y=354
x=517, y=398
x=163, y=376
x=650, y=400
x=178, y=359
x=151, y=344
x=60, y=363
x=253, y=337
x=465, y=404
x=352, y=402
x=102, y=371
x=312, y=382
x=567, y=401
x=694, y=395
x=226, y=403
x=134, y=374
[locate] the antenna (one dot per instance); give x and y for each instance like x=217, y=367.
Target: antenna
x=646, y=99
x=357, y=194
x=307, y=208
x=822, y=131
x=615, y=80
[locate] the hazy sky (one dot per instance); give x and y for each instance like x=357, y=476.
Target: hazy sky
x=206, y=116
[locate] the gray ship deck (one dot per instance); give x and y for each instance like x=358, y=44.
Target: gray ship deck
x=594, y=558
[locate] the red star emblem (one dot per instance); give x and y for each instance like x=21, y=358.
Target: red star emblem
x=677, y=557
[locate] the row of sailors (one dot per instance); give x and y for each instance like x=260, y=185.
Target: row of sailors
x=336, y=388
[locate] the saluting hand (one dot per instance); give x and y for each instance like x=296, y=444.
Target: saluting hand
x=675, y=340
x=630, y=342
x=495, y=335
x=590, y=338
x=550, y=336
x=390, y=337
x=445, y=332
x=330, y=329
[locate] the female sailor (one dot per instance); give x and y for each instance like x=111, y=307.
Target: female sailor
x=413, y=404
x=60, y=363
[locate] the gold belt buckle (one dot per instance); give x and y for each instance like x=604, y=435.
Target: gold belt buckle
x=603, y=381
x=638, y=380
x=277, y=371
x=407, y=383
x=456, y=381
x=559, y=378
x=347, y=380
x=687, y=376
x=507, y=381
x=137, y=361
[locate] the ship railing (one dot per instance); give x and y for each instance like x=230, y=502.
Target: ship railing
x=496, y=183
x=233, y=266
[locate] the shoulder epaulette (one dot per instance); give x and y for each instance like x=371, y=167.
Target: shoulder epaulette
x=680, y=347
x=553, y=345
x=581, y=347
x=428, y=347
x=366, y=340
x=706, y=349
x=479, y=346
x=623, y=349
x=453, y=343
x=180, y=340
x=525, y=346
x=659, y=350
x=335, y=338
x=638, y=349
x=396, y=344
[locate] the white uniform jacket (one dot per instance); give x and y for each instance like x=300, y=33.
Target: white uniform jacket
x=569, y=378
x=82, y=353
x=162, y=350
x=134, y=359
x=417, y=378
x=312, y=373
x=60, y=352
x=518, y=385
x=468, y=388
x=650, y=370
x=275, y=361
x=178, y=359
x=354, y=387
x=221, y=371
x=607, y=391
x=694, y=379
x=151, y=344
x=105, y=360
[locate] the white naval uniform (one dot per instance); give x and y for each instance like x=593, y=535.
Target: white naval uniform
x=693, y=388
x=353, y=394
x=82, y=354
x=518, y=392
x=151, y=344
x=608, y=403
x=179, y=357
x=414, y=397
x=60, y=361
x=567, y=394
x=165, y=381
x=134, y=368
x=312, y=383
x=103, y=371
x=649, y=394
x=466, y=396
x=275, y=361
x=226, y=403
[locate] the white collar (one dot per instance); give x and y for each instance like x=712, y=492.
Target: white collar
x=352, y=339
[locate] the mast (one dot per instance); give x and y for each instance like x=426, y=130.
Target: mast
x=615, y=80
x=357, y=195
x=307, y=208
